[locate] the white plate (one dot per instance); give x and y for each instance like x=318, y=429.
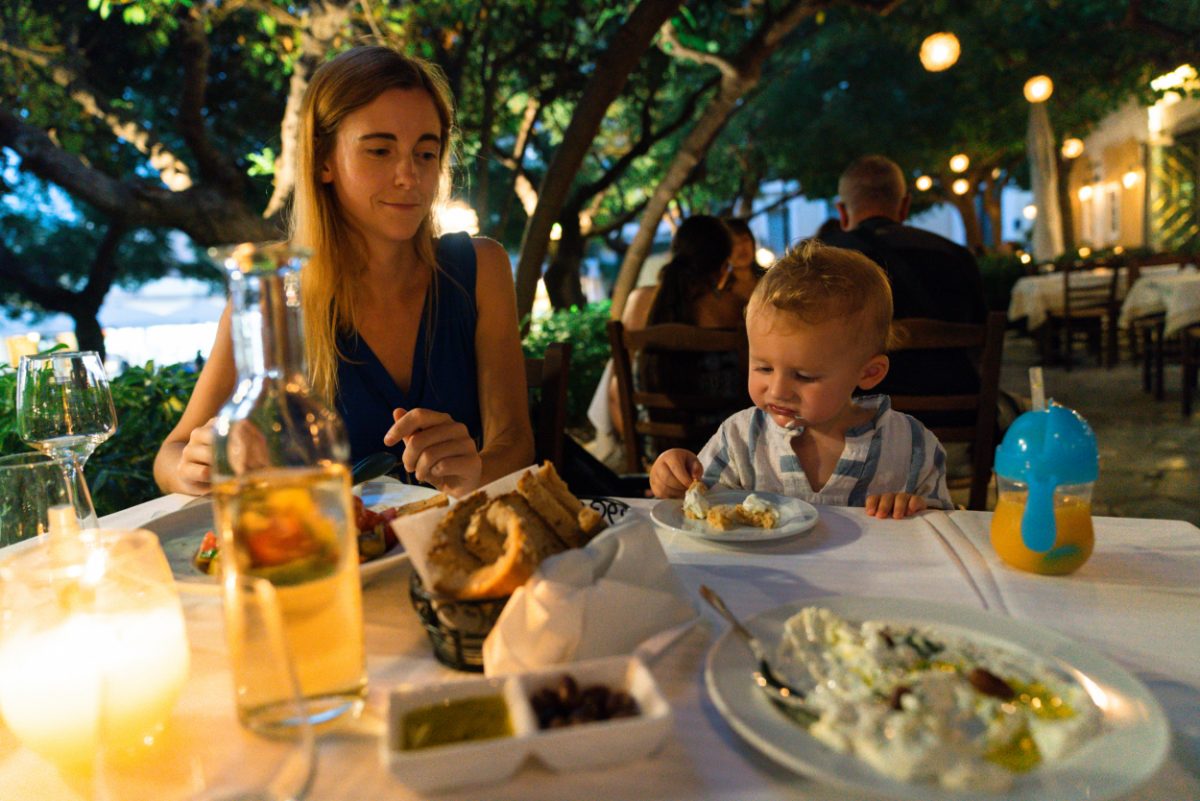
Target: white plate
x=180, y=532
x=1129, y=750
x=795, y=517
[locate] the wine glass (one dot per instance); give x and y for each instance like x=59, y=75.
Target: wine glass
x=31, y=486
x=65, y=409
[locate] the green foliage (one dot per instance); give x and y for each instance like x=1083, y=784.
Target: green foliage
x=149, y=402
x=585, y=330
x=999, y=273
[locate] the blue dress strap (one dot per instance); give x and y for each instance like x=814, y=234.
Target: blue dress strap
x=444, y=376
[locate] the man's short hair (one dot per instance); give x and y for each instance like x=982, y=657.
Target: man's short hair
x=872, y=182
x=814, y=283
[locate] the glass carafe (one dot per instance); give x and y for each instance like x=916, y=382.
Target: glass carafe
x=281, y=491
x=1046, y=468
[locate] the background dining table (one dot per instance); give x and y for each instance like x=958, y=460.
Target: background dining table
x=1137, y=601
x=1034, y=297
x=1176, y=296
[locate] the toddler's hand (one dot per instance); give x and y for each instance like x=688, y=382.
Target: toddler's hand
x=898, y=505
x=673, y=472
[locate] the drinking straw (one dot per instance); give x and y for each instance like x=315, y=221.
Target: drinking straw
x=1037, y=388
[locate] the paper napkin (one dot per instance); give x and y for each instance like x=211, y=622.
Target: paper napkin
x=601, y=600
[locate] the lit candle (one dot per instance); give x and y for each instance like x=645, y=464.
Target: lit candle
x=92, y=656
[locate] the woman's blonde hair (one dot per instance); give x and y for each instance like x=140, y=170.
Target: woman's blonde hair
x=339, y=87
x=815, y=283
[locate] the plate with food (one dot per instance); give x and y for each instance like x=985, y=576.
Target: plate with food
x=192, y=548
x=727, y=515
x=938, y=702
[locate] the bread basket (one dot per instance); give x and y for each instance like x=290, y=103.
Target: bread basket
x=457, y=627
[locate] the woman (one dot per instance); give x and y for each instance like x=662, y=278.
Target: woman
x=413, y=338
x=744, y=271
x=688, y=292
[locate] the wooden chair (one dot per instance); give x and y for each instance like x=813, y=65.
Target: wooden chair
x=685, y=432
x=1090, y=311
x=547, y=381
x=986, y=343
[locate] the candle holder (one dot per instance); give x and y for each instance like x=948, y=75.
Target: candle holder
x=91, y=630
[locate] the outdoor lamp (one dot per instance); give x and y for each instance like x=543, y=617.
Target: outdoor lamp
x=764, y=257
x=960, y=163
x=1129, y=179
x=1029, y=212
x=924, y=183
x=1085, y=192
x=1039, y=88
x=1084, y=252
x=1072, y=148
x=940, y=51
x=961, y=186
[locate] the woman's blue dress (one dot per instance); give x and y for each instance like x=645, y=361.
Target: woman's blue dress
x=443, y=373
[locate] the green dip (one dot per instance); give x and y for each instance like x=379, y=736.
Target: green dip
x=482, y=718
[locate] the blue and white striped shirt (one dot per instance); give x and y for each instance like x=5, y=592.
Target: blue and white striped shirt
x=893, y=452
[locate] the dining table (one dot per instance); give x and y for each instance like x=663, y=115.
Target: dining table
x=1136, y=602
x=1175, y=295
x=1035, y=297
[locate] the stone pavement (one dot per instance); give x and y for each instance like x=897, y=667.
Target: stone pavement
x=1149, y=454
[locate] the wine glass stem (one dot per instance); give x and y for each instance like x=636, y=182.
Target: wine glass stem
x=81, y=497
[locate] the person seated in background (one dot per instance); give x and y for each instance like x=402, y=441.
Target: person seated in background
x=411, y=336
x=687, y=292
x=931, y=276
x=818, y=325
x=744, y=272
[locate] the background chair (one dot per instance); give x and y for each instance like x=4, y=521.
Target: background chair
x=674, y=419
x=1090, y=312
x=547, y=381
x=986, y=344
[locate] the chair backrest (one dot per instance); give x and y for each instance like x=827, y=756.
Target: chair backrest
x=986, y=344
x=696, y=416
x=547, y=378
x=1082, y=291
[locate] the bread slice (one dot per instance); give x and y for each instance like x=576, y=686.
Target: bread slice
x=432, y=502
x=448, y=556
x=512, y=511
x=527, y=541
x=557, y=515
x=482, y=539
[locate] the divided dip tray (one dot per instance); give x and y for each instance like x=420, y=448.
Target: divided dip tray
x=576, y=747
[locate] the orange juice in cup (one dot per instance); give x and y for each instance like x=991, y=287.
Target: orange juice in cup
x=1045, y=469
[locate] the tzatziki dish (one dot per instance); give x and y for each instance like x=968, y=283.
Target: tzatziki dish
x=918, y=704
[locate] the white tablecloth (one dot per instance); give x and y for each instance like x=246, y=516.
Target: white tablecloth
x=1177, y=295
x=1137, y=600
x=1035, y=296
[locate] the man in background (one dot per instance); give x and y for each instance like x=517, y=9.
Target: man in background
x=931, y=276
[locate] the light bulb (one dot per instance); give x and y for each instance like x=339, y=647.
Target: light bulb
x=940, y=51
x=961, y=186
x=960, y=162
x=1072, y=148
x=924, y=183
x=1039, y=88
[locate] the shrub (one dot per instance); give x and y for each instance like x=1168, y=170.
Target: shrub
x=999, y=273
x=585, y=330
x=149, y=401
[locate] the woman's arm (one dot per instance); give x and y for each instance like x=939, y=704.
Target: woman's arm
x=503, y=396
x=184, y=461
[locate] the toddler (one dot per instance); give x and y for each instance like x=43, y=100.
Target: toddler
x=818, y=325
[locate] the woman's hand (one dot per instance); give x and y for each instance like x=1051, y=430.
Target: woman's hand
x=897, y=505
x=437, y=450
x=194, y=469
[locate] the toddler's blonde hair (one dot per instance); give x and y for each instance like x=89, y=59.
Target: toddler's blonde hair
x=815, y=283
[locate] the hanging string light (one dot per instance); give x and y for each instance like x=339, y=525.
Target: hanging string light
x=961, y=186
x=940, y=51
x=960, y=163
x=924, y=183
x=1072, y=148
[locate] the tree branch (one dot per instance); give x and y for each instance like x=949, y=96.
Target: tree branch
x=214, y=165
x=677, y=49
x=174, y=171
x=104, y=268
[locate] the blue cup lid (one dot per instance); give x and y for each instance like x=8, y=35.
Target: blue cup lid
x=1054, y=444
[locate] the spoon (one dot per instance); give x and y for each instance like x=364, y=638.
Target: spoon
x=373, y=466
x=765, y=677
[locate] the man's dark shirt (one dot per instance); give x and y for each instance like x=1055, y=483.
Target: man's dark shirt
x=931, y=277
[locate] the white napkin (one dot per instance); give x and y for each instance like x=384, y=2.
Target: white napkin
x=601, y=600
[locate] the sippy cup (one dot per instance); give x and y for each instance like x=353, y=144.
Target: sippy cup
x=1045, y=469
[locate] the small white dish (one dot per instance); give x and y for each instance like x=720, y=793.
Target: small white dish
x=795, y=517
x=571, y=748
